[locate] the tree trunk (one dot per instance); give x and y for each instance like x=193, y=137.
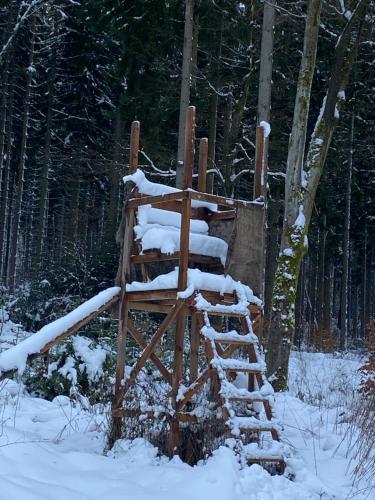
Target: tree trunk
x=115, y=174
x=364, y=285
x=43, y=183
x=345, y=248
x=185, y=89
x=327, y=306
x=6, y=133
x=21, y=167
x=293, y=236
x=214, y=100
x=265, y=71
x=321, y=272
x=298, y=341
x=301, y=185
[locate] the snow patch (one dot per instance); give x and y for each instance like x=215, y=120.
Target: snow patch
x=266, y=127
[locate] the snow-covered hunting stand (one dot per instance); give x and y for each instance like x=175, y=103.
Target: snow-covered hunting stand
x=187, y=258
x=217, y=378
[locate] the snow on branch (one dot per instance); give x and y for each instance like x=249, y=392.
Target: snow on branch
x=22, y=18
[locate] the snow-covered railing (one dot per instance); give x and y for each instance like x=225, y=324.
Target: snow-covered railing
x=16, y=358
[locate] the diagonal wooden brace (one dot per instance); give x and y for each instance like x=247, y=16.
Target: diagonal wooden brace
x=151, y=346
x=138, y=337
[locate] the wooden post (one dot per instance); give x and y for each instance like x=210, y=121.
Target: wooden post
x=122, y=328
x=116, y=430
x=194, y=346
x=189, y=147
x=202, y=172
x=134, y=147
x=259, y=181
x=180, y=322
x=182, y=275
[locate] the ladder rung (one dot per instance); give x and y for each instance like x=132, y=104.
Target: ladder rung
x=251, y=424
x=237, y=365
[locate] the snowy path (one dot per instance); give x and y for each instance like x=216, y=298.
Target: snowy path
x=53, y=450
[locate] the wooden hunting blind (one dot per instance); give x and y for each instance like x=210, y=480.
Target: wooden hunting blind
x=190, y=258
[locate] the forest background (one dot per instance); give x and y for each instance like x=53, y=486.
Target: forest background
x=75, y=75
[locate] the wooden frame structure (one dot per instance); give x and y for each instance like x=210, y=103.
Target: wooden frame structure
x=176, y=310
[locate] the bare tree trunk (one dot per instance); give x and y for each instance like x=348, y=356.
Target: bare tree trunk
x=345, y=250
x=321, y=272
x=327, y=306
x=43, y=185
x=302, y=184
x=291, y=252
x=214, y=100
x=265, y=71
x=21, y=166
x=364, y=286
x=115, y=174
x=274, y=207
x=6, y=108
x=299, y=308
x=185, y=89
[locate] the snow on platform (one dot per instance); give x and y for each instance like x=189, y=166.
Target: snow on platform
x=161, y=230
x=198, y=280
x=167, y=240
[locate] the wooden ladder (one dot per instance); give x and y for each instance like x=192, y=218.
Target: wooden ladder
x=253, y=431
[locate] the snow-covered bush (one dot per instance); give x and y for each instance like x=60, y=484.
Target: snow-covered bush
x=78, y=366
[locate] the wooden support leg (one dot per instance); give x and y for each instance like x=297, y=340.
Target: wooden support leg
x=115, y=432
x=194, y=346
x=177, y=379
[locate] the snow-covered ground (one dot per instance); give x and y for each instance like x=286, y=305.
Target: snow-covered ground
x=54, y=450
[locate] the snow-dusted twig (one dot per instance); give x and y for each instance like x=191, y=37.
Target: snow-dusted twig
x=20, y=21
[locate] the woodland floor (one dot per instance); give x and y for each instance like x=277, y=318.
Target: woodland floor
x=54, y=450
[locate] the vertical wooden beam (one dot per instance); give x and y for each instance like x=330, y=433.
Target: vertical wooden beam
x=189, y=147
x=115, y=432
x=184, y=244
x=182, y=277
x=259, y=181
x=196, y=325
x=134, y=147
x=202, y=171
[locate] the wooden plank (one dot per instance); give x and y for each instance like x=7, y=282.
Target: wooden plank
x=138, y=337
x=199, y=213
x=189, y=147
x=151, y=346
x=150, y=307
x=171, y=293
x=144, y=199
x=222, y=215
x=144, y=295
x=258, y=190
x=222, y=201
x=202, y=168
x=158, y=256
x=134, y=147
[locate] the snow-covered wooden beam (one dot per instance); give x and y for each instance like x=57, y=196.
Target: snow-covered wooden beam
x=16, y=358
